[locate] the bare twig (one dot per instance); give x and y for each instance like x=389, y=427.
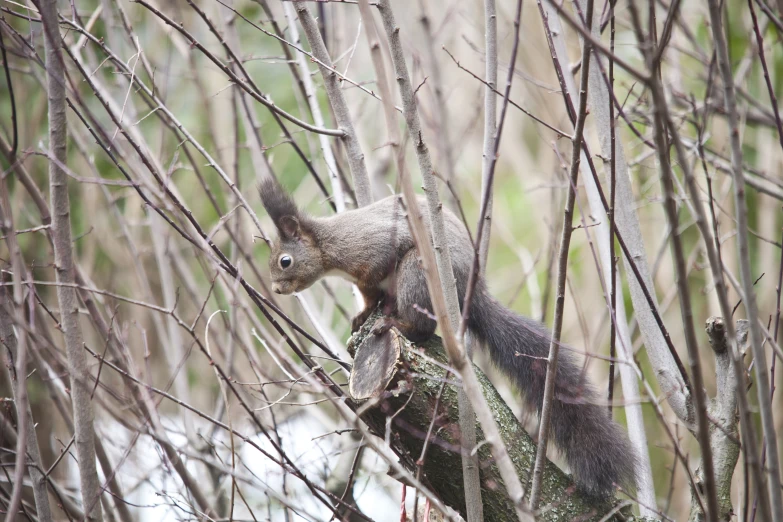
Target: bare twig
x=774, y=103
x=562, y=271
x=549, y=126
x=437, y=233
x=612, y=201
x=699, y=396
x=650, y=51
x=257, y=95
x=25, y=426
x=18, y=374
x=598, y=46
x=14, y=127
x=491, y=128
x=443, y=131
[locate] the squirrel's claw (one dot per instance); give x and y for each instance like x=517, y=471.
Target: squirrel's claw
x=381, y=326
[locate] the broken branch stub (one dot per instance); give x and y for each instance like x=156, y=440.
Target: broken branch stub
x=402, y=381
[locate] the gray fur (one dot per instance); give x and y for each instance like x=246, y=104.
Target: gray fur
x=373, y=246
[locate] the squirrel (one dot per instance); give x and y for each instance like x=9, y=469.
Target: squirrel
x=373, y=248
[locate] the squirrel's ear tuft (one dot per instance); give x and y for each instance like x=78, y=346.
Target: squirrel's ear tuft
x=280, y=207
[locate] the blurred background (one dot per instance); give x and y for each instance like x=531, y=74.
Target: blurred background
x=169, y=303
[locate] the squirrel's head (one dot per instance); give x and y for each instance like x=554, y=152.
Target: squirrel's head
x=295, y=261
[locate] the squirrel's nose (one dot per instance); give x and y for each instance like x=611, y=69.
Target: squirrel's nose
x=276, y=288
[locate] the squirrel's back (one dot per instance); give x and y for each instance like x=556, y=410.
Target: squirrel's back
x=381, y=228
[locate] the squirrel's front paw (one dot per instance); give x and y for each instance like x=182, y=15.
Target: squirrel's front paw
x=381, y=326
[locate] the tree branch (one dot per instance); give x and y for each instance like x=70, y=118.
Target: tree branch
x=64, y=267
x=361, y=180
x=400, y=383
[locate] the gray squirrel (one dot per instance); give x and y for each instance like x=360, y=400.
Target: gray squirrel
x=372, y=247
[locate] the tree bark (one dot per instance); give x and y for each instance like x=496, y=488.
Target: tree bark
x=722, y=411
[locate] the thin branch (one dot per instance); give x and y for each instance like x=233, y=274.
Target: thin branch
x=671, y=371
x=699, y=396
x=257, y=95
x=342, y=115
x=652, y=55
x=612, y=200
x=549, y=126
x=492, y=130
x=25, y=425
x=442, y=112
x=633, y=254
x=315, y=109
x=598, y=46
x=562, y=271
x=18, y=374
x=442, y=254
x=12, y=99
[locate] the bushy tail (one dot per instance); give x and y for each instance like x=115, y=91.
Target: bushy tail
x=595, y=447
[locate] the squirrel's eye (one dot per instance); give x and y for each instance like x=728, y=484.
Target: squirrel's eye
x=285, y=261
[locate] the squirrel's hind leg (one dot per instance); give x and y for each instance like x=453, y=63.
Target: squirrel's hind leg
x=413, y=309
